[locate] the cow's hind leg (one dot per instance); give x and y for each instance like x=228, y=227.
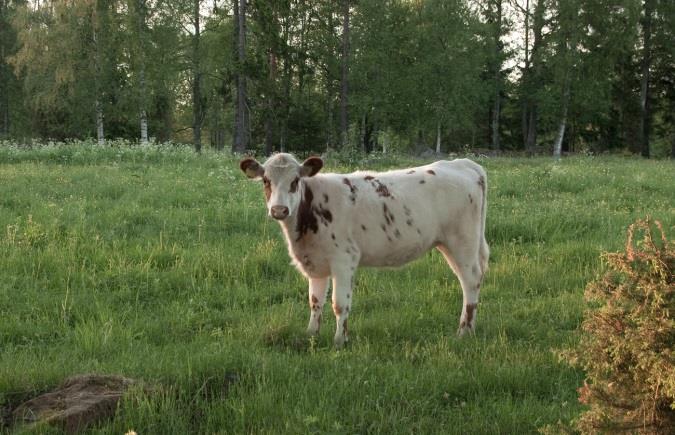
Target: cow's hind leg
x=317, y=297
x=342, y=301
x=465, y=262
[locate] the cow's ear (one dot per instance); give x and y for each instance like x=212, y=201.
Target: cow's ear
x=251, y=168
x=311, y=166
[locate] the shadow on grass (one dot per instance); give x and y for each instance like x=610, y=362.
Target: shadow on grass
x=285, y=338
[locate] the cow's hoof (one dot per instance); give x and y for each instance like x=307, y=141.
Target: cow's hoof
x=465, y=330
x=340, y=342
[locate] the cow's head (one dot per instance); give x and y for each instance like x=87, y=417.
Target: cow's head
x=281, y=175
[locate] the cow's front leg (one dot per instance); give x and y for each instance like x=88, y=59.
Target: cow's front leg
x=342, y=301
x=317, y=297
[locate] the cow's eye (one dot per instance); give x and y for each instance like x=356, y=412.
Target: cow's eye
x=294, y=185
x=266, y=181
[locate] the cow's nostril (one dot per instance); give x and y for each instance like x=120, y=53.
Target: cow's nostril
x=279, y=211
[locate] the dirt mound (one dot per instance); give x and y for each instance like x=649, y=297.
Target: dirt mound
x=79, y=402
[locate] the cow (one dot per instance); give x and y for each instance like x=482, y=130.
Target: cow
x=334, y=223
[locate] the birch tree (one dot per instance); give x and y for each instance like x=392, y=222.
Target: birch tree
x=240, y=143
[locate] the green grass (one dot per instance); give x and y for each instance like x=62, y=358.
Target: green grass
x=160, y=265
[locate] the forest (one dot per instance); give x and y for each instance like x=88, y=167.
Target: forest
x=488, y=76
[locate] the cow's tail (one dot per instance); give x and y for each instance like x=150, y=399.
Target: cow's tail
x=483, y=249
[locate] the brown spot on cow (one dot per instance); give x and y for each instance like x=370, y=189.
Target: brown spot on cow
x=337, y=309
x=368, y=177
x=306, y=218
x=325, y=198
x=382, y=190
x=325, y=215
x=431, y=171
x=397, y=233
x=406, y=210
x=422, y=181
x=314, y=300
x=388, y=215
x=267, y=188
x=332, y=236
x=412, y=171
x=470, y=198
x=409, y=222
x=384, y=228
x=352, y=189
x=470, y=309
x=363, y=227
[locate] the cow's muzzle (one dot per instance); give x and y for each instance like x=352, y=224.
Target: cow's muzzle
x=279, y=212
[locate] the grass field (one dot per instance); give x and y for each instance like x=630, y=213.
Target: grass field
x=160, y=265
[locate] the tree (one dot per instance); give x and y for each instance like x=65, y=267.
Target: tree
x=645, y=65
x=567, y=37
x=67, y=59
x=344, y=80
x=240, y=143
x=197, y=101
x=140, y=14
x=8, y=82
x=495, y=18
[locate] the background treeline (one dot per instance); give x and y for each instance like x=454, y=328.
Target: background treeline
x=533, y=75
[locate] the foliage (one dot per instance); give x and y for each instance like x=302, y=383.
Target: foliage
x=627, y=348
x=417, y=69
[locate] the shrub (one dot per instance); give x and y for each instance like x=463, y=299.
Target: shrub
x=628, y=339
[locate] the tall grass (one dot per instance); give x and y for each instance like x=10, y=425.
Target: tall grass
x=159, y=264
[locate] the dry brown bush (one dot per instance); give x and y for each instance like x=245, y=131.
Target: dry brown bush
x=628, y=339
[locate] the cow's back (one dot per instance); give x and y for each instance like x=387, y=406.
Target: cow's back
x=396, y=216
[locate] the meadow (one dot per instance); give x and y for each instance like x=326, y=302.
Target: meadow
x=160, y=264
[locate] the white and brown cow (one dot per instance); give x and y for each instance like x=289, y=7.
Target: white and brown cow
x=334, y=223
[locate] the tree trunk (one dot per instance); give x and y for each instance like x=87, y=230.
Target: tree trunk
x=534, y=75
x=235, y=53
x=645, y=115
x=496, y=108
x=197, y=116
x=269, y=120
x=330, y=130
x=367, y=134
x=100, y=136
x=286, y=103
x=144, y=113
x=99, y=122
x=141, y=59
x=241, y=130
x=4, y=93
x=438, y=138
x=344, y=85
x=525, y=74
x=531, y=142
x=557, y=146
